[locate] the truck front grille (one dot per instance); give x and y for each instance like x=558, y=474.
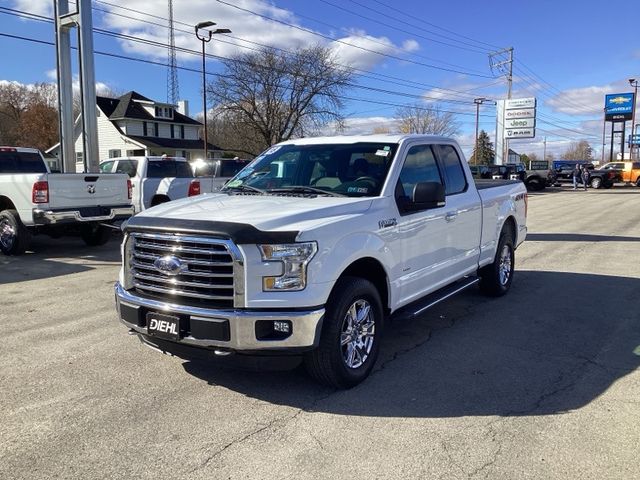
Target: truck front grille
x=202, y=273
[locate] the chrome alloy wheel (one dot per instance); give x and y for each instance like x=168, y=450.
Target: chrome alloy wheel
x=358, y=334
x=7, y=234
x=505, y=267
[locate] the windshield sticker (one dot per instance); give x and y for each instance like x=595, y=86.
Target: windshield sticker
x=383, y=153
x=387, y=148
x=357, y=190
x=234, y=183
x=271, y=151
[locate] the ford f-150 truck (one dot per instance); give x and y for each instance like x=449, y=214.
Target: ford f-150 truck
x=157, y=180
x=33, y=200
x=313, y=246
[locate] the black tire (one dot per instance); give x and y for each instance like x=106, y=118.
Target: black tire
x=333, y=363
x=160, y=199
x=95, y=235
x=535, y=184
x=14, y=236
x=638, y=182
x=495, y=281
x=596, y=182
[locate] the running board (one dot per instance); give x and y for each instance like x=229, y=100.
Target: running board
x=419, y=306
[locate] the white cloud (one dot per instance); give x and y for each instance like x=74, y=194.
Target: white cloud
x=410, y=45
x=586, y=100
x=37, y=7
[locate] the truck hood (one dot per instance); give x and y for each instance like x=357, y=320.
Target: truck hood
x=264, y=212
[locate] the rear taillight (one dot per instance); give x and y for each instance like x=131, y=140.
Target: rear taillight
x=40, y=192
x=194, y=188
x=129, y=189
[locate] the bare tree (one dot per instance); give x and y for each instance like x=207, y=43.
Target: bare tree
x=28, y=115
x=429, y=120
x=275, y=96
x=580, y=150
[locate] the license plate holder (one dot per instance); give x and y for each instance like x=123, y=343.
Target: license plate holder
x=163, y=326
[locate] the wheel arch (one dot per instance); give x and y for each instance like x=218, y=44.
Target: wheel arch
x=372, y=270
x=6, y=203
x=159, y=198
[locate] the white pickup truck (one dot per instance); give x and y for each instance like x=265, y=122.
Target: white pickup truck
x=313, y=246
x=33, y=200
x=157, y=180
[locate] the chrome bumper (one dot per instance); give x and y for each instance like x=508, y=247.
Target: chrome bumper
x=306, y=325
x=50, y=217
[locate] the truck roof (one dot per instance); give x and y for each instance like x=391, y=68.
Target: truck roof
x=7, y=148
x=377, y=138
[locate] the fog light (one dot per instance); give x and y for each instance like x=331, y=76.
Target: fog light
x=282, y=326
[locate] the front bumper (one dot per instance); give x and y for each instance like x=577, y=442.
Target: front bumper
x=83, y=215
x=232, y=330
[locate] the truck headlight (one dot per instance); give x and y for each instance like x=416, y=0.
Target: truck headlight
x=127, y=259
x=295, y=258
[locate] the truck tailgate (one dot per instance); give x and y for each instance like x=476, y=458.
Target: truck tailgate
x=87, y=189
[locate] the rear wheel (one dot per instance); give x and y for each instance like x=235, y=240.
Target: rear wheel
x=351, y=332
x=596, y=182
x=95, y=235
x=496, y=278
x=638, y=182
x=14, y=236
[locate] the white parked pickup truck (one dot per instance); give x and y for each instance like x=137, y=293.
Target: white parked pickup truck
x=33, y=200
x=313, y=246
x=157, y=180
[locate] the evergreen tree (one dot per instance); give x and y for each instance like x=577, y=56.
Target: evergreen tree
x=483, y=153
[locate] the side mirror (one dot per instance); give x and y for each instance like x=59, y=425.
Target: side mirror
x=427, y=195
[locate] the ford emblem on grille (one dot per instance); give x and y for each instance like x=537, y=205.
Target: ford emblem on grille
x=169, y=265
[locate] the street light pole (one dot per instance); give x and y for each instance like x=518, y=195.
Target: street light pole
x=634, y=83
x=478, y=102
x=206, y=38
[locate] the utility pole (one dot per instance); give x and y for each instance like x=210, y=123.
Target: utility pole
x=604, y=128
x=634, y=83
x=478, y=102
x=505, y=67
x=173, y=90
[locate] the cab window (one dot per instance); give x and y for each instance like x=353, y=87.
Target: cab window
x=105, y=167
x=127, y=166
x=419, y=166
x=455, y=181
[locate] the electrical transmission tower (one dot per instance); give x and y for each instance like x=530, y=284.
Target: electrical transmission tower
x=173, y=91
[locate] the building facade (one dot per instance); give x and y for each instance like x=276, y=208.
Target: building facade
x=134, y=125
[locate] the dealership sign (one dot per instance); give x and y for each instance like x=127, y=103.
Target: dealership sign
x=618, y=106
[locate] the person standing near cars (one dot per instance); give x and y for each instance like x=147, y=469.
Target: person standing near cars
x=577, y=175
x=585, y=176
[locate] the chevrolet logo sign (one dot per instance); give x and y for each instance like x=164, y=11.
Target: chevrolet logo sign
x=620, y=100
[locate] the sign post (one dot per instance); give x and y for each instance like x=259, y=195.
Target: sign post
x=515, y=118
x=618, y=108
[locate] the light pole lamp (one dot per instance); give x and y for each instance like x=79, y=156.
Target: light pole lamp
x=478, y=102
x=634, y=83
x=206, y=38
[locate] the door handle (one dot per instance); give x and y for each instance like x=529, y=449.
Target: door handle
x=451, y=216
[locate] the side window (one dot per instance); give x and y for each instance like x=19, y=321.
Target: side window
x=127, y=166
x=161, y=169
x=105, y=167
x=419, y=166
x=455, y=181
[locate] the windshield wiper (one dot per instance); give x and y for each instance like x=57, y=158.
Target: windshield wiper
x=244, y=188
x=303, y=189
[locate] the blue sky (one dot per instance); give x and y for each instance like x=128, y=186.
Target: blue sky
x=568, y=54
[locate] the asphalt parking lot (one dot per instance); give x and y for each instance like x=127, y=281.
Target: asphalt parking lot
x=542, y=383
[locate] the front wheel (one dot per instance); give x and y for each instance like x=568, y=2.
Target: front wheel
x=596, y=182
x=496, y=278
x=351, y=332
x=14, y=236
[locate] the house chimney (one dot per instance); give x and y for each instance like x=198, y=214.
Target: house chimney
x=183, y=107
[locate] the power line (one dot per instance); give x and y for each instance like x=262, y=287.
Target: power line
x=337, y=40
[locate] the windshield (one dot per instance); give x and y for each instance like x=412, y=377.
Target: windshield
x=354, y=170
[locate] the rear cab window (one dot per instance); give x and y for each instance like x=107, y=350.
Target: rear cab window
x=168, y=168
x=130, y=167
x=21, y=162
x=455, y=179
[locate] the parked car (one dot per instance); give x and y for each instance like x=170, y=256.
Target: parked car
x=629, y=172
x=312, y=247
x=564, y=168
x=33, y=200
x=219, y=170
x=509, y=171
x=157, y=180
x=480, y=171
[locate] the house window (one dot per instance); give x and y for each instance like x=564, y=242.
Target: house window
x=79, y=157
x=114, y=153
x=144, y=128
x=172, y=130
x=164, y=112
x=155, y=126
x=181, y=131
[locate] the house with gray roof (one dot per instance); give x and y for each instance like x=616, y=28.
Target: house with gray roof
x=133, y=125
